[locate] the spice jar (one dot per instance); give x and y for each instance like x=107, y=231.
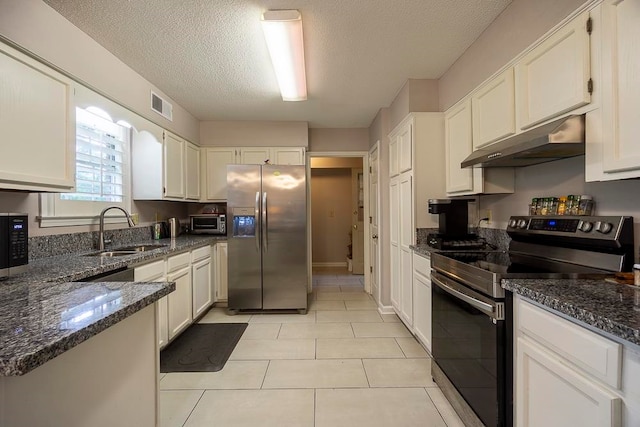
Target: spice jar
x=575, y=204
x=562, y=205
x=544, y=210
x=586, y=205
x=553, y=206
x=533, y=207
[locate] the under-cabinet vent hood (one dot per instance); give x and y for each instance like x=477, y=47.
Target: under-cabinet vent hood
x=554, y=141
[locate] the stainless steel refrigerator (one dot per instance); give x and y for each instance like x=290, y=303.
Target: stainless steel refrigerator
x=267, y=237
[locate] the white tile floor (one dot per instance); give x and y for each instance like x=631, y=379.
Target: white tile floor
x=342, y=364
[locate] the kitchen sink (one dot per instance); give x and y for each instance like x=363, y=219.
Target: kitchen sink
x=140, y=248
x=113, y=253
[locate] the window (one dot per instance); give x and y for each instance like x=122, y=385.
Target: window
x=101, y=147
x=105, y=132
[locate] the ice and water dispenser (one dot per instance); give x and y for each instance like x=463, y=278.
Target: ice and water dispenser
x=244, y=222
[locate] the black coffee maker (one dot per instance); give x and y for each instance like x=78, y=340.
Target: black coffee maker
x=453, y=225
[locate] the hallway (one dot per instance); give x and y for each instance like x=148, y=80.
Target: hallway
x=341, y=365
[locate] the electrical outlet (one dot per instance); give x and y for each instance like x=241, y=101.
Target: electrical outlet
x=487, y=214
x=135, y=218
x=332, y=213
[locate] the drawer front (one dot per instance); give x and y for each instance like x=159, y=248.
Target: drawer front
x=422, y=265
x=587, y=350
x=200, y=253
x=149, y=272
x=177, y=262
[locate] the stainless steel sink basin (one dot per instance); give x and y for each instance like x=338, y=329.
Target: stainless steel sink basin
x=141, y=248
x=112, y=253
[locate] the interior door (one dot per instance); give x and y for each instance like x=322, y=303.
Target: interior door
x=374, y=248
x=357, y=220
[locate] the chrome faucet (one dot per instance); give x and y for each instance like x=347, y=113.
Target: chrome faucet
x=101, y=240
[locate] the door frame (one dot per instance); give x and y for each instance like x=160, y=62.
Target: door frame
x=372, y=253
x=364, y=155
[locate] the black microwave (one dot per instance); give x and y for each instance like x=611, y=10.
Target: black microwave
x=213, y=223
x=14, y=249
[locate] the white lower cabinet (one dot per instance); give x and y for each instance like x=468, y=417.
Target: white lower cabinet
x=221, y=277
x=179, y=303
x=155, y=272
x=422, y=300
x=568, y=375
x=201, y=270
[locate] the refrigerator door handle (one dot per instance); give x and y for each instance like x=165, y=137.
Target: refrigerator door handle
x=256, y=218
x=264, y=225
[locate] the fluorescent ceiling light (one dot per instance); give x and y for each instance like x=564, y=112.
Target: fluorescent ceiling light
x=283, y=32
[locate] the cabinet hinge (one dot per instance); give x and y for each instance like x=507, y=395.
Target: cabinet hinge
x=370, y=220
x=590, y=86
x=589, y=26
x=369, y=169
x=164, y=190
x=370, y=269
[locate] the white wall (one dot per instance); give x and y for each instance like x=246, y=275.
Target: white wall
x=417, y=95
x=352, y=139
x=254, y=133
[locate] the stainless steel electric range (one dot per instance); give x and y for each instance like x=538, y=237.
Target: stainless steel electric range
x=471, y=313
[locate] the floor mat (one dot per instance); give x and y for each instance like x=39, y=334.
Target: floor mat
x=204, y=347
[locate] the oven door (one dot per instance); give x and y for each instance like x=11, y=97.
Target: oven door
x=469, y=346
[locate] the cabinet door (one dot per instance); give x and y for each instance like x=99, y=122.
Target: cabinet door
x=37, y=120
x=173, y=166
x=192, y=171
x=407, y=233
x=255, y=155
x=216, y=160
x=422, y=308
x=548, y=393
x=553, y=78
x=493, y=107
x=621, y=86
x=394, y=235
x=155, y=272
x=405, y=148
x=201, y=286
x=394, y=156
x=179, y=302
x=221, y=285
x=288, y=156
x=458, y=146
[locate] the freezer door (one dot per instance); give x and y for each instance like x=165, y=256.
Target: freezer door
x=244, y=244
x=284, y=240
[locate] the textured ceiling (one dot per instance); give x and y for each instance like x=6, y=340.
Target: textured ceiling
x=211, y=58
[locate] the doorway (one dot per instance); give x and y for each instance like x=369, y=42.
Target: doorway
x=338, y=195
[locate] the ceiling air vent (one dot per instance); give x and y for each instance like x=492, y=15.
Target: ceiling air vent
x=161, y=106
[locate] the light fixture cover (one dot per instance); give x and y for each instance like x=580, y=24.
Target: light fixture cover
x=283, y=33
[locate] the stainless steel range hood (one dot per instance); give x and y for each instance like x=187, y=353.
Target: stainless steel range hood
x=554, y=141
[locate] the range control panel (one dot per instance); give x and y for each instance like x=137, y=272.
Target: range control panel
x=597, y=227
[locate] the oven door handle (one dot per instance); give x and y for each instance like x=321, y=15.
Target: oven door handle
x=480, y=305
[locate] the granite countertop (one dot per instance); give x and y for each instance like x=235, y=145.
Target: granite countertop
x=602, y=305
x=424, y=250
x=45, y=311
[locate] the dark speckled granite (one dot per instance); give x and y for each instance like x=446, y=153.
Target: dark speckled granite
x=602, y=305
x=43, y=314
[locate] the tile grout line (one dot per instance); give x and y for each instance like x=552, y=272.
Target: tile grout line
x=266, y=371
x=193, y=409
x=365, y=373
x=436, y=406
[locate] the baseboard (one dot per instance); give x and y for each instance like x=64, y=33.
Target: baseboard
x=329, y=264
x=386, y=309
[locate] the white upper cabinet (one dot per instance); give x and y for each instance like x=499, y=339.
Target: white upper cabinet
x=401, y=148
x=458, y=145
x=166, y=170
x=621, y=87
x=493, y=107
x=553, y=78
x=255, y=155
x=288, y=156
x=174, y=187
x=216, y=159
x=192, y=171
x=38, y=157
